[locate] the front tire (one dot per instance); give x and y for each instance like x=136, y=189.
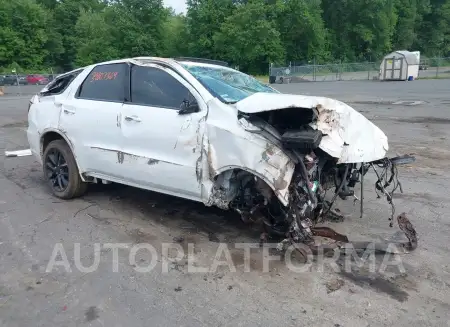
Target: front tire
x=61, y=171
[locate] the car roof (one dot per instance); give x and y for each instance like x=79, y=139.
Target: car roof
x=205, y=65
x=142, y=61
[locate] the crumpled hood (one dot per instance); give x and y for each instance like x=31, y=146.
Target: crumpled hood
x=348, y=135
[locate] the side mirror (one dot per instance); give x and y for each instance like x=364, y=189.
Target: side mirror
x=188, y=107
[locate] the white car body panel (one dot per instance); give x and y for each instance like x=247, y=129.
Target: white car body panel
x=161, y=147
x=91, y=127
x=97, y=142
x=42, y=118
x=349, y=136
x=181, y=155
x=161, y=156
x=229, y=145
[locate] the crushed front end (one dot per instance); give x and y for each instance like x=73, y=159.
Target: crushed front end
x=333, y=147
x=318, y=176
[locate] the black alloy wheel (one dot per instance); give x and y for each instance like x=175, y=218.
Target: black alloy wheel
x=57, y=170
x=61, y=171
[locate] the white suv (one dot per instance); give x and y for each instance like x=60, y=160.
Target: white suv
x=202, y=131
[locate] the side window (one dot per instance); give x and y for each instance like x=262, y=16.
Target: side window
x=105, y=83
x=60, y=84
x=155, y=87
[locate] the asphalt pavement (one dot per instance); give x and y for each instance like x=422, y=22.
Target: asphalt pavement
x=34, y=226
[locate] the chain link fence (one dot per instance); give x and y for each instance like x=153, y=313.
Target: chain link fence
x=326, y=72
x=429, y=68
x=17, y=79
x=434, y=68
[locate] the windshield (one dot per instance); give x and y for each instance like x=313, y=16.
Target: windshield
x=229, y=85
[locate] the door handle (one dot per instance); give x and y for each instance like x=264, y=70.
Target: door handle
x=133, y=118
x=69, y=112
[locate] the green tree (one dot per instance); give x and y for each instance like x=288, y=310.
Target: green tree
x=49, y=4
x=204, y=18
x=302, y=30
x=137, y=27
x=95, y=42
x=434, y=31
x=405, y=32
x=249, y=40
x=175, y=36
x=360, y=29
x=66, y=14
x=39, y=34
x=23, y=33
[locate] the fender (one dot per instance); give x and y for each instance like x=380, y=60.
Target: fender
x=223, y=151
x=282, y=194
x=63, y=135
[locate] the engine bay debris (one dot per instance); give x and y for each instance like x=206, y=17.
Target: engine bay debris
x=330, y=152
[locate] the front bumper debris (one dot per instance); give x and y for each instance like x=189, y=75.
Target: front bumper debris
x=386, y=184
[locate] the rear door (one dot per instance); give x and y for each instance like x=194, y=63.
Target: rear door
x=89, y=117
x=45, y=114
x=162, y=147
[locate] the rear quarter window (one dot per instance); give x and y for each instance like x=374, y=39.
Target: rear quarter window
x=60, y=84
x=105, y=83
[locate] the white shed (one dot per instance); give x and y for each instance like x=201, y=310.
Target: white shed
x=399, y=66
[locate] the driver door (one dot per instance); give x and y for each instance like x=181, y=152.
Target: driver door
x=161, y=146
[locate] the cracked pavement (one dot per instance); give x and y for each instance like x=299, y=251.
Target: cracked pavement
x=32, y=222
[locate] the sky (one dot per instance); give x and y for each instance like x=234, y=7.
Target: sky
x=178, y=5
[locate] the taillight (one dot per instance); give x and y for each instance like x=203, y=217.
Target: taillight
x=32, y=100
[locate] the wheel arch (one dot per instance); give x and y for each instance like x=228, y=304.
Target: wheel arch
x=281, y=194
x=52, y=134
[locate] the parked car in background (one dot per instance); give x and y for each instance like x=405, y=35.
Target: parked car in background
x=423, y=65
x=37, y=80
x=23, y=80
x=10, y=80
x=13, y=80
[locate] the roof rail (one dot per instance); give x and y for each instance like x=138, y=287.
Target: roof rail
x=202, y=60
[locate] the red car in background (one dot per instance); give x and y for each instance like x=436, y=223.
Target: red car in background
x=37, y=80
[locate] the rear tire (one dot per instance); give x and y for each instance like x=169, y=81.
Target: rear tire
x=61, y=171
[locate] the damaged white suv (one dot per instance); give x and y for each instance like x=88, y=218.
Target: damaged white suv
x=200, y=130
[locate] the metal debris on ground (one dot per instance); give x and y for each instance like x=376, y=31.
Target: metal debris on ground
x=178, y=239
x=18, y=153
x=342, y=242
x=334, y=285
